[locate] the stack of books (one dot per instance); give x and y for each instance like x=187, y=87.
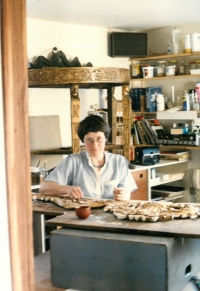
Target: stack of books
x=175, y=154
x=143, y=133
x=144, y=99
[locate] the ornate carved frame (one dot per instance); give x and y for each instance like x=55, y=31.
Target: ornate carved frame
x=90, y=77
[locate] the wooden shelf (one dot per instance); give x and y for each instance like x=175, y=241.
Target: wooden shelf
x=68, y=150
x=143, y=112
x=166, y=77
x=170, y=146
x=197, y=148
x=155, y=112
x=164, y=56
x=155, y=183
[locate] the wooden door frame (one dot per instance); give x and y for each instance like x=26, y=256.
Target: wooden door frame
x=17, y=149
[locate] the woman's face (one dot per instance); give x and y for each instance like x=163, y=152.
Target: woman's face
x=95, y=143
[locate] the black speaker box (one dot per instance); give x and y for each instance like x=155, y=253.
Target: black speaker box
x=127, y=44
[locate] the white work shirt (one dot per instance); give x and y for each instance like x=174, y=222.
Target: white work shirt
x=77, y=170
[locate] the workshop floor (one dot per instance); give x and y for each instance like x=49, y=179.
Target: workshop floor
x=43, y=276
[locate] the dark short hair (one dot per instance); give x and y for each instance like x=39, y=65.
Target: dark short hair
x=93, y=123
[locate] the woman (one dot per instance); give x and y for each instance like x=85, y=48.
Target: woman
x=93, y=173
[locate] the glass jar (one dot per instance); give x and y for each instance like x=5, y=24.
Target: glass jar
x=187, y=69
x=181, y=69
x=197, y=63
x=161, y=68
x=175, y=64
x=136, y=71
x=192, y=65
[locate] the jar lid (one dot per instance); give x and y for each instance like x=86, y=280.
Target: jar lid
x=136, y=62
x=161, y=62
x=145, y=65
x=197, y=61
x=34, y=169
x=173, y=61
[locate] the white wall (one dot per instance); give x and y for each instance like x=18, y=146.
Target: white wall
x=89, y=44
x=159, y=38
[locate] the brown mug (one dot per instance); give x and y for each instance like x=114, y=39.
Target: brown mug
x=82, y=212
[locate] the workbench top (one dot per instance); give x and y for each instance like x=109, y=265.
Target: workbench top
x=106, y=221
x=47, y=208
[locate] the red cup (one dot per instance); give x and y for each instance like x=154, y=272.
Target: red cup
x=83, y=212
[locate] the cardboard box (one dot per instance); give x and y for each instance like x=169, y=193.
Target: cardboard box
x=90, y=260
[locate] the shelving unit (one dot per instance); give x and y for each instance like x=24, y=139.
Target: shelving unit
x=172, y=167
x=180, y=83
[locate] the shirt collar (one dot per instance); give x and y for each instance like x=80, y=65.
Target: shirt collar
x=89, y=160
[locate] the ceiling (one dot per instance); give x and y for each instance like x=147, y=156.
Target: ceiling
x=127, y=15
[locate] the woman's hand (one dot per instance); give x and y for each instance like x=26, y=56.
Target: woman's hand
x=119, y=194
x=74, y=192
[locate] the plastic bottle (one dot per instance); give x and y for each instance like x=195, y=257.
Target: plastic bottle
x=169, y=49
x=197, y=90
x=192, y=100
x=177, y=41
x=196, y=103
x=187, y=128
x=160, y=102
x=185, y=101
x=187, y=43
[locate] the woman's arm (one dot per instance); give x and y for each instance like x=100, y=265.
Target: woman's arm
x=51, y=188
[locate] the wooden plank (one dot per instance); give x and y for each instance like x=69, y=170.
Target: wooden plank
x=103, y=221
x=16, y=128
x=75, y=117
x=163, y=56
x=47, y=208
x=126, y=105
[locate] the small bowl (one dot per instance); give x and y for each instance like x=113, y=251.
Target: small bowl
x=83, y=212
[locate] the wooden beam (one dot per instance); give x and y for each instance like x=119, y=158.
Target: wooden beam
x=15, y=86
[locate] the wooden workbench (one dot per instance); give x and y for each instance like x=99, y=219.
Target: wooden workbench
x=48, y=208
x=100, y=221
x=104, y=221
